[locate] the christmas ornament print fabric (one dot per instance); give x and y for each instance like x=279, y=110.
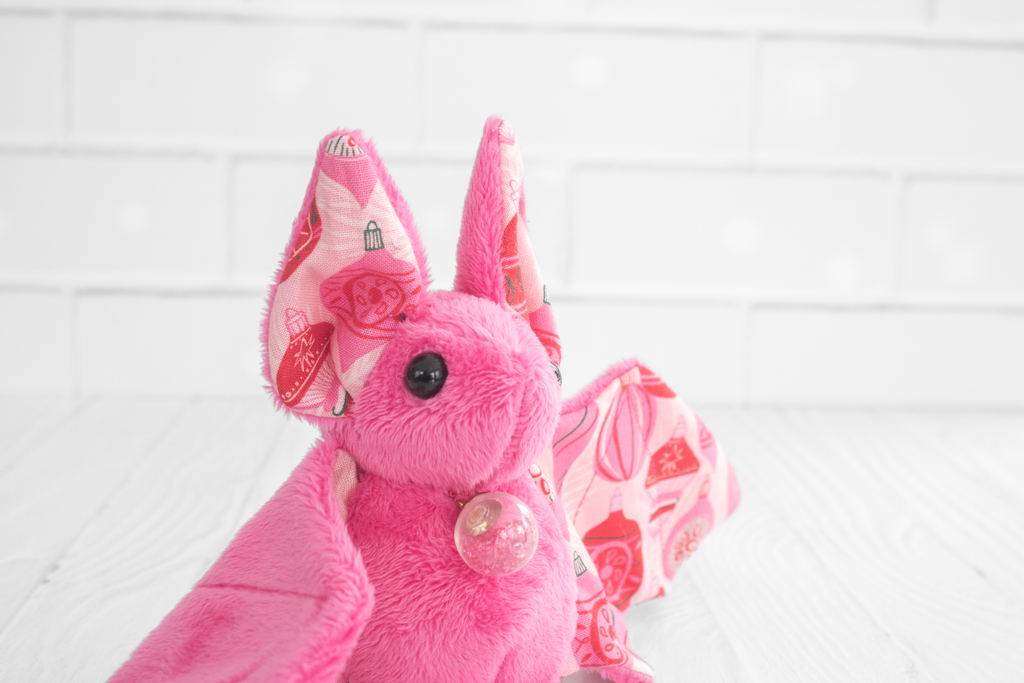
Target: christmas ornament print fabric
x=641, y=481
x=524, y=288
x=348, y=276
x=669, y=477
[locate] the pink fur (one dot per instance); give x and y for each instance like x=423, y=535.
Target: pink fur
x=286, y=602
x=496, y=413
x=479, y=247
x=435, y=619
x=623, y=676
x=303, y=596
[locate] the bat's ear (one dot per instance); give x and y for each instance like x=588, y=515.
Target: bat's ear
x=354, y=266
x=495, y=260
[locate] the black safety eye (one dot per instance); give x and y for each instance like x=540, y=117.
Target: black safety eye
x=426, y=374
x=558, y=373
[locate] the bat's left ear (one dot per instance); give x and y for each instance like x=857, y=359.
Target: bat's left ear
x=495, y=260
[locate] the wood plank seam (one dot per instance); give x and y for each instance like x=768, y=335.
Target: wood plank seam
x=53, y=566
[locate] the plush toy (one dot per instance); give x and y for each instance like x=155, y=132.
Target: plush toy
x=456, y=521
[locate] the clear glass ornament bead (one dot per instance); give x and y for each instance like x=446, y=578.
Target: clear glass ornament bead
x=496, y=534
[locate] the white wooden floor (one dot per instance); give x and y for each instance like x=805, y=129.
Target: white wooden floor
x=870, y=546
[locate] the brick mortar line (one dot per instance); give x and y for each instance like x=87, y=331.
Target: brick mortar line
x=921, y=32
x=749, y=303
x=578, y=160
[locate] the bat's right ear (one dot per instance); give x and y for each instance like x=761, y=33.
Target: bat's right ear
x=353, y=267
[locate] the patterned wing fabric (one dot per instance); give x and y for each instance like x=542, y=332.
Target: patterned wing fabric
x=641, y=481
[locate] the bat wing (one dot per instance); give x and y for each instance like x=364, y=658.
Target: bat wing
x=635, y=465
x=285, y=602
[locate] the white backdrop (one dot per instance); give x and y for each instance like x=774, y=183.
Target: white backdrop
x=782, y=201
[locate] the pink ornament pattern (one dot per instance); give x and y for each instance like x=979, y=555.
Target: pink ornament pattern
x=671, y=469
x=542, y=322
x=658, y=476
x=622, y=442
x=351, y=268
x=572, y=436
x=708, y=446
x=687, y=534
x=306, y=242
x=368, y=297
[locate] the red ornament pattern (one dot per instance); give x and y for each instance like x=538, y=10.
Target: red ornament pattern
x=664, y=509
x=616, y=546
x=307, y=350
x=542, y=321
x=515, y=295
x=674, y=459
x=654, y=384
x=596, y=643
x=309, y=236
x=542, y=482
x=368, y=297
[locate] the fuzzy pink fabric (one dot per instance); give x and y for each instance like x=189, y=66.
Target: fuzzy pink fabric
x=496, y=413
x=285, y=603
x=479, y=247
x=435, y=619
x=350, y=572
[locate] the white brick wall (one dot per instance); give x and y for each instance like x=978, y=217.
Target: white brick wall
x=599, y=91
x=216, y=81
x=169, y=344
x=101, y=214
x=985, y=13
x=891, y=357
x=966, y=237
x=30, y=104
x=770, y=201
x=36, y=346
x=791, y=233
x=892, y=101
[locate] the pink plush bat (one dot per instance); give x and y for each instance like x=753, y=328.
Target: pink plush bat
x=429, y=401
